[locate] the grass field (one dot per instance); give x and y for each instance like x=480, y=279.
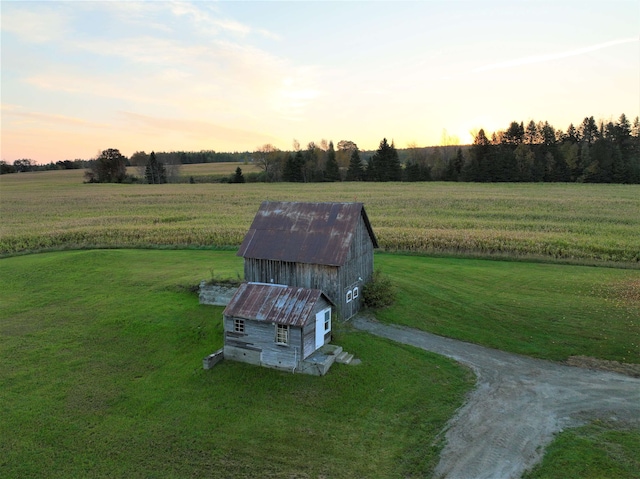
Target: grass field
x=102, y=376
x=569, y=222
x=101, y=354
x=548, y=311
x=595, y=451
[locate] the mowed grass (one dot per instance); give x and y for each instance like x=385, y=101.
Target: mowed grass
x=596, y=451
x=565, y=222
x=102, y=376
x=544, y=310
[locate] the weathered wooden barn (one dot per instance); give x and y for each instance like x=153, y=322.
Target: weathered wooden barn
x=276, y=326
x=324, y=246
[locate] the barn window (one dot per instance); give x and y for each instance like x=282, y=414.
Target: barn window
x=238, y=325
x=327, y=320
x=355, y=292
x=282, y=334
x=349, y=296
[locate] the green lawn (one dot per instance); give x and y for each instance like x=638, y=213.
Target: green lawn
x=595, y=451
x=543, y=310
x=101, y=376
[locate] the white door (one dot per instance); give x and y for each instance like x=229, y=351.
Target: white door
x=320, y=328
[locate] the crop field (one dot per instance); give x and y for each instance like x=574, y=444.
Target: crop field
x=566, y=222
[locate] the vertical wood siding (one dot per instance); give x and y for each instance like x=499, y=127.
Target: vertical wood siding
x=334, y=281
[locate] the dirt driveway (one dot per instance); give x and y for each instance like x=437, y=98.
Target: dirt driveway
x=518, y=404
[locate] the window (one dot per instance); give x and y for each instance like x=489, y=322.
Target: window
x=349, y=296
x=327, y=320
x=238, y=325
x=355, y=292
x=282, y=334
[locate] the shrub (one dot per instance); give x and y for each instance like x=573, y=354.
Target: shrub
x=379, y=292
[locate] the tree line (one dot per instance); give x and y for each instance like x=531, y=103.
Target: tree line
x=608, y=152
x=598, y=152
x=137, y=159
x=590, y=153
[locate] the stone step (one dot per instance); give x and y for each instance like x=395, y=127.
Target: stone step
x=344, y=357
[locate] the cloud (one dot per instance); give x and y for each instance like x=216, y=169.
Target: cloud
x=204, y=58
x=43, y=25
x=553, y=56
x=210, y=22
x=196, y=129
x=10, y=112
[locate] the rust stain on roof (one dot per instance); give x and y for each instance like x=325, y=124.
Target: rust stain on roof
x=274, y=303
x=314, y=233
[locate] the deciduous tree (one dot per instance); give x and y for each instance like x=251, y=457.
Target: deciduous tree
x=110, y=166
x=267, y=158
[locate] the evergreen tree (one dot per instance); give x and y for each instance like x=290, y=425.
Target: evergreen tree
x=155, y=172
x=355, y=171
x=588, y=130
x=291, y=172
x=412, y=172
x=514, y=134
x=524, y=162
x=238, y=177
x=478, y=167
x=332, y=171
x=386, y=164
x=531, y=134
x=312, y=165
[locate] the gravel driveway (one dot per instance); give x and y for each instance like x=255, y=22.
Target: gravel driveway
x=518, y=404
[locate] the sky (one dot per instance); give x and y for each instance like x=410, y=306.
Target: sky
x=80, y=77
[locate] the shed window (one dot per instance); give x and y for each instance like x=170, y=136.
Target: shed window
x=282, y=334
x=355, y=292
x=238, y=325
x=327, y=320
x=349, y=296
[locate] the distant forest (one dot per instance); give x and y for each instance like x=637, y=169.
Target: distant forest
x=592, y=152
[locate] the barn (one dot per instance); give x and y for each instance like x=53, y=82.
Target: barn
x=276, y=326
x=323, y=246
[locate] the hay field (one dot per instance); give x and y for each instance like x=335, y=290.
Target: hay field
x=572, y=222
x=205, y=170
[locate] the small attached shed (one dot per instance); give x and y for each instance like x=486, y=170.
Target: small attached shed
x=324, y=246
x=276, y=326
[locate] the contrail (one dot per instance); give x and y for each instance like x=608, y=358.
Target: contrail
x=553, y=56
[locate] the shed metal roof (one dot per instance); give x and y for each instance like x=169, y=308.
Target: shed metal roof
x=274, y=303
x=313, y=233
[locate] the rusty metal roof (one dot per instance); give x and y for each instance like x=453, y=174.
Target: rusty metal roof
x=313, y=233
x=274, y=303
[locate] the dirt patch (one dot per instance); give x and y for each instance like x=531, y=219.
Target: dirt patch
x=595, y=364
x=630, y=291
x=621, y=293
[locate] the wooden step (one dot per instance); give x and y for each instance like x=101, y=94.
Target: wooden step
x=344, y=357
